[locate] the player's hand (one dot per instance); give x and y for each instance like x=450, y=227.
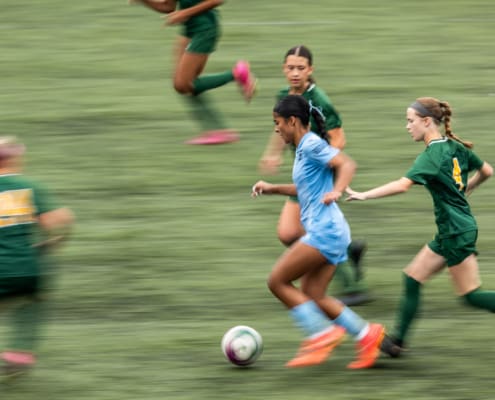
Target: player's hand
x=48, y=244
x=330, y=197
x=259, y=188
x=269, y=165
x=353, y=195
x=175, y=18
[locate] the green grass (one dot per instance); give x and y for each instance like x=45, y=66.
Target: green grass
x=170, y=251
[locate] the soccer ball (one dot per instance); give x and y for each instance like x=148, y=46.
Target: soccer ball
x=242, y=345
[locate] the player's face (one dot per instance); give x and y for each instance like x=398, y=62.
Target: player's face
x=284, y=128
x=297, y=71
x=415, y=125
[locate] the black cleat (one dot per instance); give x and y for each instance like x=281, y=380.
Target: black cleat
x=391, y=346
x=355, y=299
x=356, y=250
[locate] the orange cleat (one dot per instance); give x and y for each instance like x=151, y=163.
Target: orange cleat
x=317, y=350
x=368, y=348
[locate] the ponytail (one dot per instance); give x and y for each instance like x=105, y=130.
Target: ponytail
x=319, y=118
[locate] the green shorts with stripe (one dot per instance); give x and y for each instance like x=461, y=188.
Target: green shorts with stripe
x=204, y=42
x=455, y=249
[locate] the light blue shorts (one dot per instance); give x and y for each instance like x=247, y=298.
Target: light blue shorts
x=332, y=243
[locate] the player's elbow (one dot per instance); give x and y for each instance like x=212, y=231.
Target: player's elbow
x=60, y=218
x=402, y=185
x=486, y=170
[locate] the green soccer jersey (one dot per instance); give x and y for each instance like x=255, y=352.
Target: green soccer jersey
x=443, y=169
x=317, y=97
x=20, y=203
x=201, y=22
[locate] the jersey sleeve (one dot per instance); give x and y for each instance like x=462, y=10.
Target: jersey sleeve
x=422, y=169
x=475, y=163
x=332, y=117
x=43, y=200
x=319, y=151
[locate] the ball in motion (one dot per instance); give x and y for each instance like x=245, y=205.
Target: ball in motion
x=242, y=345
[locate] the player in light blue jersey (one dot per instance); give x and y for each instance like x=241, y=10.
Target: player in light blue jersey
x=320, y=174
x=298, y=70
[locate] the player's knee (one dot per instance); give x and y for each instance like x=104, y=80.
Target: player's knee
x=275, y=284
x=288, y=237
x=272, y=284
x=182, y=87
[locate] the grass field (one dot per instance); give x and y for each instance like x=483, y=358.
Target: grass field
x=169, y=249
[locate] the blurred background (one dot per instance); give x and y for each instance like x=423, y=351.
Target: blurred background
x=170, y=251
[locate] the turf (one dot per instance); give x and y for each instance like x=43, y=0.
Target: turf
x=169, y=249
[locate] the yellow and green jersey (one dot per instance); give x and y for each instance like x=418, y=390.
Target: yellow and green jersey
x=443, y=168
x=21, y=202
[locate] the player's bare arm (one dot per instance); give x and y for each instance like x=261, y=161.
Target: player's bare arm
x=181, y=16
x=401, y=185
x=262, y=187
x=337, y=137
x=161, y=6
x=485, y=172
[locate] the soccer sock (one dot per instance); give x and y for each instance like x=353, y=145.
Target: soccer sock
x=205, y=113
x=347, y=279
x=484, y=299
x=310, y=318
x=351, y=321
x=25, y=322
x=408, y=307
x=207, y=82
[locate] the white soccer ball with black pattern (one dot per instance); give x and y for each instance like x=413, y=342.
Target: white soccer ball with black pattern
x=242, y=345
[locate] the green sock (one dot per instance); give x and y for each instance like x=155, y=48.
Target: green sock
x=347, y=280
x=408, y=307
x=207, y=82
x=25, y=322
x=484, y=299
x=204, y=112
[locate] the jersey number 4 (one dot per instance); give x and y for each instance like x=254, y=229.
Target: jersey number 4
x=456, y=173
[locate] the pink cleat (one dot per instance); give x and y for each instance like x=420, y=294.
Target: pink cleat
x=245, y=79
x=17, y=362
x=220, y=136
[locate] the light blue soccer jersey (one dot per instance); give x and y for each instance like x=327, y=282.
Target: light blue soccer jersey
x=326, y=227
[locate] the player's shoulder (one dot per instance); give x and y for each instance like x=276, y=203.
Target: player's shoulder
x=318, y=97
x=316, y=91
x=313, y=143
x=17, y=181
x=284, y=92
